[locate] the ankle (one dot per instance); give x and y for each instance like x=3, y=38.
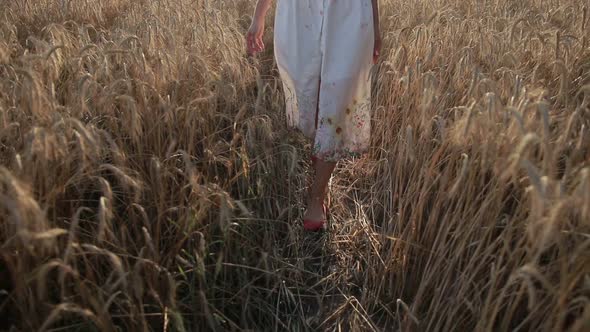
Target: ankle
x=315, y=200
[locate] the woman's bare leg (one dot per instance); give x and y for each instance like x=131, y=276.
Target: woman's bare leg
x=318, y=190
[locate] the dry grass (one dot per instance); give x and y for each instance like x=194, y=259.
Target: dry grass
x=147, y=180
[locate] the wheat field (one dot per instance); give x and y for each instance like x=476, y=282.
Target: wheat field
x=148, y=181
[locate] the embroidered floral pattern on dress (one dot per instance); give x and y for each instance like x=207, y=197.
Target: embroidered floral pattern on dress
x=346, y=138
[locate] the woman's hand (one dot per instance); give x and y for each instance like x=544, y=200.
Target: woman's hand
x=254, y=43
x=377, y=30
x=377, y=47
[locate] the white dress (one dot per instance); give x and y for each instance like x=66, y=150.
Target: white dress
x=324, y=53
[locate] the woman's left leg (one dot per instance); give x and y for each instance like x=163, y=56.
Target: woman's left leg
x=319, y=185
x=318, y=190
x=342, y=122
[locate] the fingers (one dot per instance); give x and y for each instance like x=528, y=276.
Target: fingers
x=259, y=44
x=376, y=52
x=375, y=56
x=254, y=44
x=250, y=45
